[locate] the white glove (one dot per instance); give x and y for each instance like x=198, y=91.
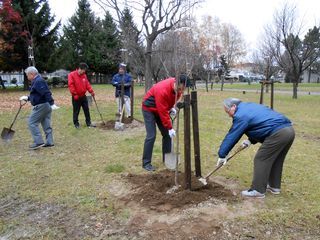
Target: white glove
x=173, y=112
x=246, y=143
x=24, y=98
x=221, y=161
x=54, y=107
x=172, y=133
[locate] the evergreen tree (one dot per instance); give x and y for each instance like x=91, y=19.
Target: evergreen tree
x=78, y=35
x=130, y=40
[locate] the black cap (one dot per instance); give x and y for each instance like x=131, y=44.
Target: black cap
x=83, y=66
x=184, y=79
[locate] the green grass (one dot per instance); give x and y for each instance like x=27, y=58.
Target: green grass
x=83, y=162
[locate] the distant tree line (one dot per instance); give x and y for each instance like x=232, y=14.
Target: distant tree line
x=168, y=41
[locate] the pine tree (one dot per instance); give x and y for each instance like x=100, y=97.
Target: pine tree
x=78, y=35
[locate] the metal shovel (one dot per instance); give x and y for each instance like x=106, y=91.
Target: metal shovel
x=119, y=125
x=170, y=159
x=7, y=133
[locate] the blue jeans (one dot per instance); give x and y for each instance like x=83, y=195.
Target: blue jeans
x=150, y=121
x=41, y=113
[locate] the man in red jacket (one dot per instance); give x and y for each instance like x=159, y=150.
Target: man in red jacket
x=78, y=86
x=157, y=104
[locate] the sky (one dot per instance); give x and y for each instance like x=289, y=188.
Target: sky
x=249, y=16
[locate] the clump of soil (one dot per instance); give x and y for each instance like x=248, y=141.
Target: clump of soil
x=151, y=191
x=128, y=124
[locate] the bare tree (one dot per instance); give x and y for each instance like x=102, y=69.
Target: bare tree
x=292, y=54
x=157, y=17
x=233, y=43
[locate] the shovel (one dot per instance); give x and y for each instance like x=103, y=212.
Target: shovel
x=98, y=110
x=119, y=125
x=203, y=180
x=7, y=133
x=170, y=159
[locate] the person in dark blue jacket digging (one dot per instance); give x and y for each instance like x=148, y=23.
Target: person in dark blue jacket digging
x=261, y=124
x=119, y=79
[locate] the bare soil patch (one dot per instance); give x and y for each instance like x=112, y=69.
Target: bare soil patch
x=128, y=124
x=150, y=190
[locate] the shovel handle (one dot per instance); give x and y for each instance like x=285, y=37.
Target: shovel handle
x=15, y=118
x=239, y=149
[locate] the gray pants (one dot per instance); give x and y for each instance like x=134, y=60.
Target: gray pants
x=41, y=113
x=150, y=121
x=269, y=159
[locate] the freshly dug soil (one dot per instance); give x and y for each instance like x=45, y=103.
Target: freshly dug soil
x=151, y=191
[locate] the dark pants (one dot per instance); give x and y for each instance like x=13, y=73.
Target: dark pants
x=268, y=162
x=150, y=121
x=81, y=102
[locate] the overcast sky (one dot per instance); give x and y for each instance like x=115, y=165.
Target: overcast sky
x=249, y=16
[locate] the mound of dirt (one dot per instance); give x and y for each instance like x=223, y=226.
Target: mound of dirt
x=128, y=124
x=150, y=191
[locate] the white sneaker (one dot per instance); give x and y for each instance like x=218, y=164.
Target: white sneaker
x=252, y=193
x=275, y=191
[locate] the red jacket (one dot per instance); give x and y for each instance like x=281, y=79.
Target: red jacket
x=160, y=99
x=78, y=84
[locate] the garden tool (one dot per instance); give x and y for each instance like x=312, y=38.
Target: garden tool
x=7, y=133
x=98, y=110
x=170, y=159
x=203, y=180
x=119, y=125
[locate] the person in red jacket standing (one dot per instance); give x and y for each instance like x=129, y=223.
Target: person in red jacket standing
x=78, y=86
x=157, y=105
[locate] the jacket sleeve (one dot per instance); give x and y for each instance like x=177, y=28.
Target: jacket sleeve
x=115, y=81
x=236, y=131
x=71, y=86
x=88, y=86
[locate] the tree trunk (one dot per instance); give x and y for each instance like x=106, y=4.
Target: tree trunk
x=148, y=74
x=295, y=90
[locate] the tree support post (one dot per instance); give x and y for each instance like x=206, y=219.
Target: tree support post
x=187, y=145
x=196, y=139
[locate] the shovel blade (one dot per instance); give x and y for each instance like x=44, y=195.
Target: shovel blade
x=119, y=126
x=7, y=134
x=170, y=160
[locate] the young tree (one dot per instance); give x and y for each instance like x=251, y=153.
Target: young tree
x=157, y=17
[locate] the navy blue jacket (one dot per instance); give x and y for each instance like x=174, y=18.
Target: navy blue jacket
x=40, y=92
x=256, y=121
x=117, y=80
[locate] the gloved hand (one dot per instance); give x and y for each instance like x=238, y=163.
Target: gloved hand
x=24, y=98
x=54, y=107
x=173, y=112
x=92, y=94
x=221, y=161
x=76, y=97
x=172, y=133
x=180, y=105
x=246, y=143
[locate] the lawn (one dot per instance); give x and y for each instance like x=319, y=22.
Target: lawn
x=81, y=188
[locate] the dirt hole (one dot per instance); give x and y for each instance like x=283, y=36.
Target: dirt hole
x=150, y=191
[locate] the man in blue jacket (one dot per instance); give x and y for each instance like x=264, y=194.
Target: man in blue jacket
x=122, y=82
x=43, y=104
x=261, y=124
